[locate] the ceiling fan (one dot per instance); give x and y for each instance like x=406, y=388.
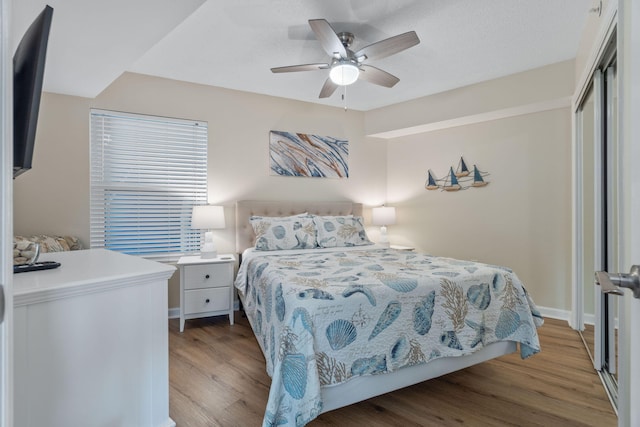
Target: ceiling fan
x=347, y=66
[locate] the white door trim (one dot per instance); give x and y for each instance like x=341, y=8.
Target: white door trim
x=597, y=214
x=6, y=216
x=629, y=93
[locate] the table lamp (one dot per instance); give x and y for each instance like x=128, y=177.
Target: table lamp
x=208, y=217
x=383, y=216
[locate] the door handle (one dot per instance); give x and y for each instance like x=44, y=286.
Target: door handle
x=2, y=303
x=611, y=283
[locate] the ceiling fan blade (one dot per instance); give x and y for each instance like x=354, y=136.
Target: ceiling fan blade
x=328, y=88
x=377, y=76
x=327, y=37
x=303, y=67
x=389, y=46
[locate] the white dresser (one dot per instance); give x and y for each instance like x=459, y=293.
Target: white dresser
x=91, y=342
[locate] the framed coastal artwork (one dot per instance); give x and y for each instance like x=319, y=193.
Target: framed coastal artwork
x=301, y=154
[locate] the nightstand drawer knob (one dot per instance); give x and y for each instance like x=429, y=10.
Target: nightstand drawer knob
x=206, y=277
x=207, y=300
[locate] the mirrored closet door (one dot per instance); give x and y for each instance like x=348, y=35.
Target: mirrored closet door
x=597, y=173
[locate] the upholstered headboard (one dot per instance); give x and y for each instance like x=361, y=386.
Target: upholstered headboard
x=245, y=238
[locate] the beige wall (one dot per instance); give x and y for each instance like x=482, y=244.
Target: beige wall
x=521, y=135
x=537, y=87
x=521, y=219
x=54, y=196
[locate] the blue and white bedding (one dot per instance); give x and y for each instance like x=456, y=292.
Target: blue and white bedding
x=324, y=316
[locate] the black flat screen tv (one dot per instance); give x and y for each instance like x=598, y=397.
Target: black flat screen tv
x=28, y=74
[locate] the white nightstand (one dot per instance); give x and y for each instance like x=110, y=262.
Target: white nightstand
x=206, y=287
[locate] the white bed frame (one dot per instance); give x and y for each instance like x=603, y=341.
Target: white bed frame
x=359, y=388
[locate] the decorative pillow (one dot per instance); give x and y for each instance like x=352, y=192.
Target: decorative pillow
x=24, y=247
x=338, y=231
x=278, y=233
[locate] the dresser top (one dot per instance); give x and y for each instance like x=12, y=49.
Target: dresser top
x=85, y=271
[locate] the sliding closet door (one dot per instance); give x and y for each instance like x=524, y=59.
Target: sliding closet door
x=606, y=215
x=621, y=175
x=598, y=214
x=610, y=303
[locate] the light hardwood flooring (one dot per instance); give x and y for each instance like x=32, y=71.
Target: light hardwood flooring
x=217, y=378
x=588, y=336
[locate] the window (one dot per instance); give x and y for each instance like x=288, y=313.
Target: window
x=147, y=173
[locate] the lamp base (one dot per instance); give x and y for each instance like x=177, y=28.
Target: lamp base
x=384, y=239
x=208, y=250
x=208, y=255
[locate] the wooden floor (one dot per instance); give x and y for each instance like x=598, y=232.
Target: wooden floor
x=217, y=378
x=588, y=336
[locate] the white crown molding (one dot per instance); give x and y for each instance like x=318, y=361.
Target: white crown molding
x=552, y=104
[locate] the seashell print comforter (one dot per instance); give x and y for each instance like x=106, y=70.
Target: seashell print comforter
x=322, y=317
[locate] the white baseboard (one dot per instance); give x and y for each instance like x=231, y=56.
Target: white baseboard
x=555, y=313
x=589, y=319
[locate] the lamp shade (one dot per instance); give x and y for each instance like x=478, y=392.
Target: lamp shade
x=207, y=217
x=384, y=215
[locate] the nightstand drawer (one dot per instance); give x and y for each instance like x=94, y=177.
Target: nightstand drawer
x=208, y=276
x=196, y=301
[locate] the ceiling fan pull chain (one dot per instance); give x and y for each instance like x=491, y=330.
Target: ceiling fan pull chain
x=344, y=97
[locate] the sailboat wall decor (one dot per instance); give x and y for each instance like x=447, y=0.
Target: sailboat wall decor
x=451, y=183
x=460, y=179
x=431, y=183
x=462, y=169
x=478, y=181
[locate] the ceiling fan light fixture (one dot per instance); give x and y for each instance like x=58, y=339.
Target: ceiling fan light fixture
x=345, y=65
x=344, y=73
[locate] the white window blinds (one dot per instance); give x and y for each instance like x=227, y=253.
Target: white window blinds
x=147, y=173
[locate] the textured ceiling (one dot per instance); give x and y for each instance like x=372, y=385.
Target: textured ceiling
x=233, y=44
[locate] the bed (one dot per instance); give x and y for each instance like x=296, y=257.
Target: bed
x=340, y=324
